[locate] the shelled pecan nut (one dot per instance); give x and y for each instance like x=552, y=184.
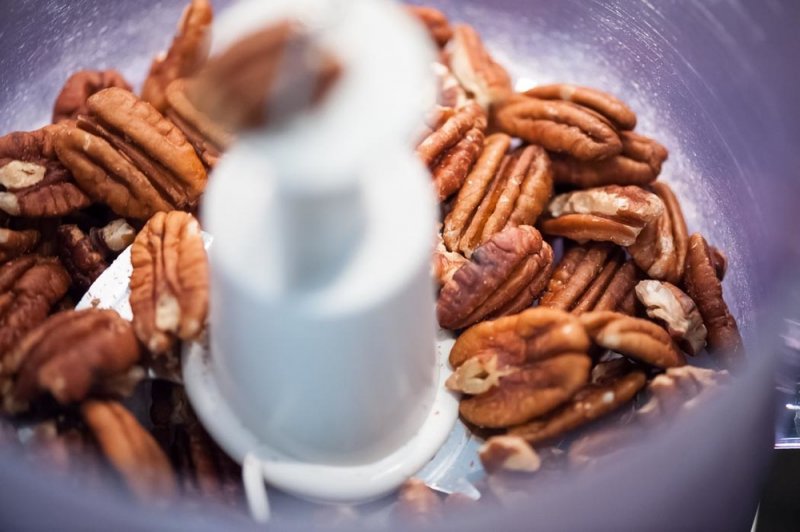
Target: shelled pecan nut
x=446, y=264
x=503, y=190
x=71, y=101
x=704, y=287
x=591, y=277
x=613, y=213
x=558, y=126
x=607, y=442
x=417, y=503
x=131, y=451
x=660, y=249
x=481, y=76
x=16, y=243
x=669, y=305
x=29, y=287
x=434, y=21
x=639, y=163
x=611, y=107
x=87, y=256
x=450, y=93
x=503, y=277
x=187, y=53
x=33, y=183
x=527, y=392
x=128, y=156
x=719, y=260
x=169, y=283
x=592, y=402
x=677, y=389
x=508, y=453
x=204, y=470
x=635, y=338
x=69, y=355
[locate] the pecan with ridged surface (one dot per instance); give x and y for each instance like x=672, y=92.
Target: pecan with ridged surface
x=611, y=107
x=71, y=101
x=670, y=306
x=482, y=77
x=434, y=21
x=504, y=276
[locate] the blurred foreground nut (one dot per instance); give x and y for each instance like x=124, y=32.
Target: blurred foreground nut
x=16, y=243
x=660, y=250
x=639, y=163
x=613, y=213
x=508, y=453
x=71, y=101
x=434, y=21
x=169, y=283
x=677, y=389
x=33, y=183
x=417, y=503
x=29, y=287
x=187, y=53
x=636, y=338
x=590, y=277
x=669, y=305
x=557, y=126
x=609, y=106
x=131, y=451
x=70, y=355
x=603, y=442
x=502, y=190
x=503, y=277
x=704, y=287
x=474, y=67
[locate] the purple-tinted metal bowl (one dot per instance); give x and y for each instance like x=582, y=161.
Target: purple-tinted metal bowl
x=715, y=81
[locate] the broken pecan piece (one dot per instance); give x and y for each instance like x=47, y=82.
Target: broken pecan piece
x=29, y=287
x=508, y=453
x=16, y=243
x=678, y=313
x=613, y=213
x=635, y=338
x=481, y=76
x=131, y=451
x=607, y=105
x=446, y=263
x=639, y=163
x=434, y=21
x=501, y=191
x=503, y=277
x=704, y=287
x=128, y=156
x=417, y=503
x=71, y=101
x=660, y=250
x=69, y=355
x=187, y=53
x=677, y=389
x=590, y=277
x=557, y=126
x=87, y=256
x=169, y=283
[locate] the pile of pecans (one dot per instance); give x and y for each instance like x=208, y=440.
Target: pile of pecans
x=630, y=297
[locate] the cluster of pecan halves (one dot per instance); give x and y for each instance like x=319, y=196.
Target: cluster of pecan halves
x=547, y=346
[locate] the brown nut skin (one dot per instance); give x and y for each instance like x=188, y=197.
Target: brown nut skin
x=187, y=53
x=169, y=283
x=453, y=167
x=131, y=451
x=557, y=126
x=434, y=21
x=704, y=287
x=676, y=311
x=604, y=214
x=82, y=260
x=71, y=101
x=611, y=107
x=473, y=66
x=29, y=287
x=660, y=250
x=508, y=453
x=679, y=389
x=530, y=391
x=504, y=276
x=16, y=243
x=639, y=339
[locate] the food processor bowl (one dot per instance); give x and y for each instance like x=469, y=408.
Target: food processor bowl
x=713, y=81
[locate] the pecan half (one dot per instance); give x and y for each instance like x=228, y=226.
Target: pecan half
x=450, y=93
x=131, y=451
x=508, y=453
x=417, y=503
x=69, y=355
x=169, y=283
x=128, y=156
x=187, y=53
x=704, y=287
x=592, y=402
x=528, y=391
x=204, y=469
x=87, y=256
x=635, y=338
x=29, y=287
x=677, y=389
x=446, y=263
x=501, y=191
x=33, y=183
x=557, y=126
x=481, y=76
x=16, y=243
x=434, y=21
x=678, y=313
x=660, y=250
x=71, y=101
x=592, y=277
x=503, y=277
x=613, y=213
x=639, y=163
x=611, y=107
